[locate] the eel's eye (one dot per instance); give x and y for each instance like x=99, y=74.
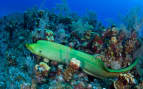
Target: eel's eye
x=40, y=51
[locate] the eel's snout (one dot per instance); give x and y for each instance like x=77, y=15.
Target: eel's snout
x=30, y=47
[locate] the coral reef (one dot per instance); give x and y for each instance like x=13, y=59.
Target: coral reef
x=124, y=81
x=117, y=47
x=71, y=69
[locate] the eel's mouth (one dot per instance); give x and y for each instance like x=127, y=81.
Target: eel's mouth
x=30, y=47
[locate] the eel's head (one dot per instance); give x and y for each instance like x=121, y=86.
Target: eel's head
x=41, y=48
x=34, y=48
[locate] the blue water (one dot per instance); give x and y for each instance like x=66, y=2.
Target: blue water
x=105, y=9
x=108, y=12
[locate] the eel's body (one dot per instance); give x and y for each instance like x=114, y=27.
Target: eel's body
x=60, y=53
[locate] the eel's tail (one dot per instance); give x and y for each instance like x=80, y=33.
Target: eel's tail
x=124, y=69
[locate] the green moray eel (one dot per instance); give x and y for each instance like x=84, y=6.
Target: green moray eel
x=63, y=54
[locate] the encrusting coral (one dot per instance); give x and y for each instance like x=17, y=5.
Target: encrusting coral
x=139, y=86
x=123, y=81
x=41, y=70
x=71, y=69
x=49, y=35
x=116, y=47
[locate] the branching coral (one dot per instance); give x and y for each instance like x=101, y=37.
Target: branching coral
x=134, y=20
x=79, y=27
